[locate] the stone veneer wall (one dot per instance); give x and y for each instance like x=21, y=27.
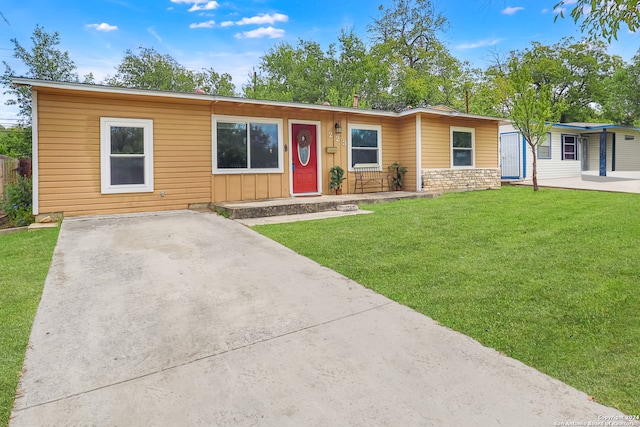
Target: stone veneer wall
x=460, y=179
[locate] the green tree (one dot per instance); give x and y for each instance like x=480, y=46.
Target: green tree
x=439, y=79
x=289, y=73
x=151, y=70
x=622, y=105
x=15, y=141
x=423, y=71
x=602, y=18
x=357, y=70
x=528, y=106
x=409, y=29
x=44, y=61
x=576, y=73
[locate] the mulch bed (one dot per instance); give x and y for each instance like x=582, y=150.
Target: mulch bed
x=5, y=222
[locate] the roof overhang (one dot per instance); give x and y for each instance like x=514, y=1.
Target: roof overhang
x=84, y=87
x=589, y=127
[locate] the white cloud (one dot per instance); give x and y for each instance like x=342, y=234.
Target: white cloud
x=545, y=10
x=227, y=24
x=205, y=24
x=481, y=43
x=512, y=10
x=263, y=18
x=210, y=5
x=560, y=11
x=197, y=5
x=102, y=27
x=270, y=32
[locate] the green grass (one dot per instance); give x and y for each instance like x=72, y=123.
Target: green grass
x=549, y=278
x=24, y=262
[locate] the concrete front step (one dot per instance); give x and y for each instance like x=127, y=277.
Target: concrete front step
x=303, y=205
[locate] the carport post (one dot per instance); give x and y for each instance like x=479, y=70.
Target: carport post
x=603, y=153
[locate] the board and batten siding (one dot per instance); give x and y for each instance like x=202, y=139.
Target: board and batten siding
x=69, y=153
x=436, y=141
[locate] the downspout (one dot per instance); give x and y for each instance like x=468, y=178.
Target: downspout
x=34, y=153
x=418, y=152
x=603, y=153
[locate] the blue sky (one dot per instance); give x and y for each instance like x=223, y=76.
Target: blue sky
x=231, y=36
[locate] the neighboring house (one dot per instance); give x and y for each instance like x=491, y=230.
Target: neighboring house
x=570, y=149
x=100, y=150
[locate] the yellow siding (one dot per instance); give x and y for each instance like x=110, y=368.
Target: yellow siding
x=406, y=151
x=69, y=153
x=394, y=148
x=436, y=141
x=69, y=150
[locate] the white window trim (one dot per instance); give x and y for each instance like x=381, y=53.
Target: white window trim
x=378, y=128
x=577, y=147
x=105, y=155
x=244, y=119
x=472, y=131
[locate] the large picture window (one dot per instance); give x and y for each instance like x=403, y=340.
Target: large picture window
x=462, y=147
x=126, y=152
x=242, y=144
x=365, y=144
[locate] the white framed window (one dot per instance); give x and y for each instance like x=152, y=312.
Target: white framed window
x=544, y=147
x=126, y=155
x=365, y=144
x=247, y=144
x=463, y=141
x=570, y=147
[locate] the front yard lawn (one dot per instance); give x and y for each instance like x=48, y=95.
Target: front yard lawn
x=549, y=278
x=24, y=262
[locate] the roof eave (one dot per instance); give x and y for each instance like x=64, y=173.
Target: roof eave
x=20, y=81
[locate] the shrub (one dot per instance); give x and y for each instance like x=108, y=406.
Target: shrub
x=17, y=202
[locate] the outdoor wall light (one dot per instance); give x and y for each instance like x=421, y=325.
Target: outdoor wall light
x=338, y=127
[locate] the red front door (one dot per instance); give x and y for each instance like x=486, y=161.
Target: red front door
x=305, y=159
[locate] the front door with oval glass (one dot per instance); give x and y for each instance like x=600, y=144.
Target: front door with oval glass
x=304, y=157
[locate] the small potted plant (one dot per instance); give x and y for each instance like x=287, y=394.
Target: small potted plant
x=337, y=176
x=398, y=173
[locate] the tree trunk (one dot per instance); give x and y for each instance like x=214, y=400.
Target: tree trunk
x=534, y=172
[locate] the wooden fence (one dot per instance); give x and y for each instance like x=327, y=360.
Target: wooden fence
x=10, y=169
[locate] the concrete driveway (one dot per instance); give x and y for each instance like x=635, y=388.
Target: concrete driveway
x=186, y=318
x=616, y=182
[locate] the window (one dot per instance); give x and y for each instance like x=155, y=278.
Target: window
x=242, y=144
x=544, y=148
x=462, y=143
x=365, y=145
x=569, y=147
x=126, y=155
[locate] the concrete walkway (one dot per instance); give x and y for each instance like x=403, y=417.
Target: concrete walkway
x=187, y=318
x=617, y=182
